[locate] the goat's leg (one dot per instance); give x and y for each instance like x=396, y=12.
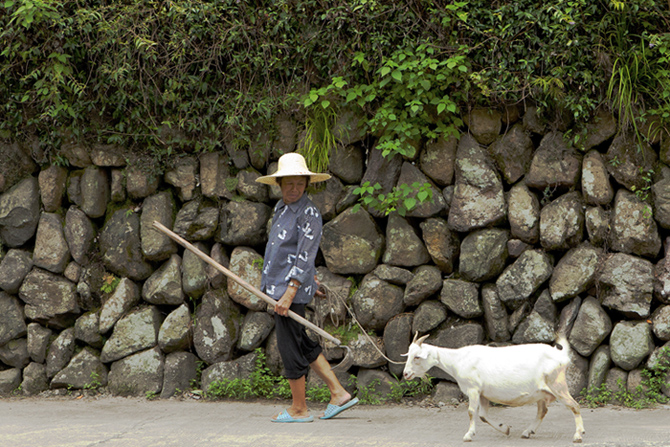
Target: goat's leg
x=473, y=410
x=483, y=415
x=541, y=412
x=560, y=390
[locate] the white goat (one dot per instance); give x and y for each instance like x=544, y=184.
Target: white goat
x=510, y=375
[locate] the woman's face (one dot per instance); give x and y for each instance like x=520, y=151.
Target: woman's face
x=292, y=188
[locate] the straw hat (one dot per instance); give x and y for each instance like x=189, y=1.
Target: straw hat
x=292, y=164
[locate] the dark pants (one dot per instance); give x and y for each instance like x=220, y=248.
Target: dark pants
x=297, y=350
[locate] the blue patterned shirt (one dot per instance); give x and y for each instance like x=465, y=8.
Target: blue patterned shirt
x=292, y=246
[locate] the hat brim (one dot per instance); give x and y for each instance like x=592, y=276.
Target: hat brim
x=272, y=179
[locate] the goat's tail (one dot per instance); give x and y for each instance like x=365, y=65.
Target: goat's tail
x=562, y=344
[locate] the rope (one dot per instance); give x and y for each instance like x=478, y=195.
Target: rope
x=329, y=292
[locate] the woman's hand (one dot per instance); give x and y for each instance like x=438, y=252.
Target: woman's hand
x=285, y=301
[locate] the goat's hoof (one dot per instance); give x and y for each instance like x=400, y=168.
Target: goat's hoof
x=507, y=431
x=526, y=434
x=467, y=437
x=577, y=439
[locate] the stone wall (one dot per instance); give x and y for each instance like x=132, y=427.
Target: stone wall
x=526, y=235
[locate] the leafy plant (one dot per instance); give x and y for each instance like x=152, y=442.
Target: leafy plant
x=109, y=283
x=401, y=199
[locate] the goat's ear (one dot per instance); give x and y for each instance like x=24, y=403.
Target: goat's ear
x=421, y=340
x=404, y=355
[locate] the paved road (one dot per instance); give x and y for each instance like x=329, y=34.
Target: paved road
x=120, y=422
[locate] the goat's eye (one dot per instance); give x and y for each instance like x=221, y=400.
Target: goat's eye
x=417, y=357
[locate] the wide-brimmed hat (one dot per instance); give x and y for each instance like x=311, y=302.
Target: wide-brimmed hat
x=289, y=165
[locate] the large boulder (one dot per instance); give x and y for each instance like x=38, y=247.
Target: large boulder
x=19, y=212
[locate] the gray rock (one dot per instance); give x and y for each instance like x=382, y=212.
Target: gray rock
x=140, y=374
x=524, y=214
x=176, y=332
x=615, y=383
x=12, y=321
x=394, y=275
x=632, y=227
x=568, y=316
x=513, y=153
x=591, y=327
x=87, y=329
x=483, y=254
x=349, y=126
x=118, y=186
x=14, y=267
x=240, y=368
x=19, y=212
x=352, y=243
x=661, y=323
x=437, y=160
x=428, y=315
x=596, y=186
x=478, y=199
x=378, y=384
x=164, y=286
x=134, y=332
x=661, y=200
x=48, y=297
x=194, y=273
x=179, y=372
x=427, y=280
x=629, y=162
x=80, y=234
x=625, y=284
x=120, y=246
x=34, y=379
x=442, y=244
x=597, y=225
x=10, y=380
x=347, y=163
x=51, y=250
x=410, y=175
x=95, y=191
x=366, y=351
x=577, y=374
x=243, y=223
x=52, y=181
x=575, y=272
x=215, y=178
x=38, y=342
x=255, y=329
x=17, y=162
x=246, y=264
x=108, y=155
x=141, y=181
x=332, y=309
x=14, y=353
x=562, y=222
x=598, y=367
x=630, y=343
x=215, y=277
x=397, y=338
x=521, y=279
x=183, y=177
x=461, y=297
x=248, y=188
x=74, y=187
x=554, y=164
x=197, y=220
x=217, y=327
x=382, y=170
x=495, y=315
x=376, y=302
x=599, y=129
x=160, y=208
x=447, y=393
x=84, y=371
x=484, y=124
x=535, y=328
x=404, y=247
x=326, y=197
x=60, y=352
x=125, y=297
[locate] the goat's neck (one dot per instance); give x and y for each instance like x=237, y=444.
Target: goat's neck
x=444, y=358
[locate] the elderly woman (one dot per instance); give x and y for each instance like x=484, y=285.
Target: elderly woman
x=289, y=278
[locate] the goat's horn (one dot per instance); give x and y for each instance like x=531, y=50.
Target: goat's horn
x=416, y=335
x=419, y=341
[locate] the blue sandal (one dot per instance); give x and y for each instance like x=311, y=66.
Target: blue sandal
x=284, y=416
x=334, y=410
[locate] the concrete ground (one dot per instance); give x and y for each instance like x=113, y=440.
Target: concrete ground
x=125, y=422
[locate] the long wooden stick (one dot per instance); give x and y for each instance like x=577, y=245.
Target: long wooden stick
x=172, y=235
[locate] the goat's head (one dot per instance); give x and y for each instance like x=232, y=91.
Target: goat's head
x=417, y=364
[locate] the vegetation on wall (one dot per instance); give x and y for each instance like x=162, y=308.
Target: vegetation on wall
x=199, y=75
